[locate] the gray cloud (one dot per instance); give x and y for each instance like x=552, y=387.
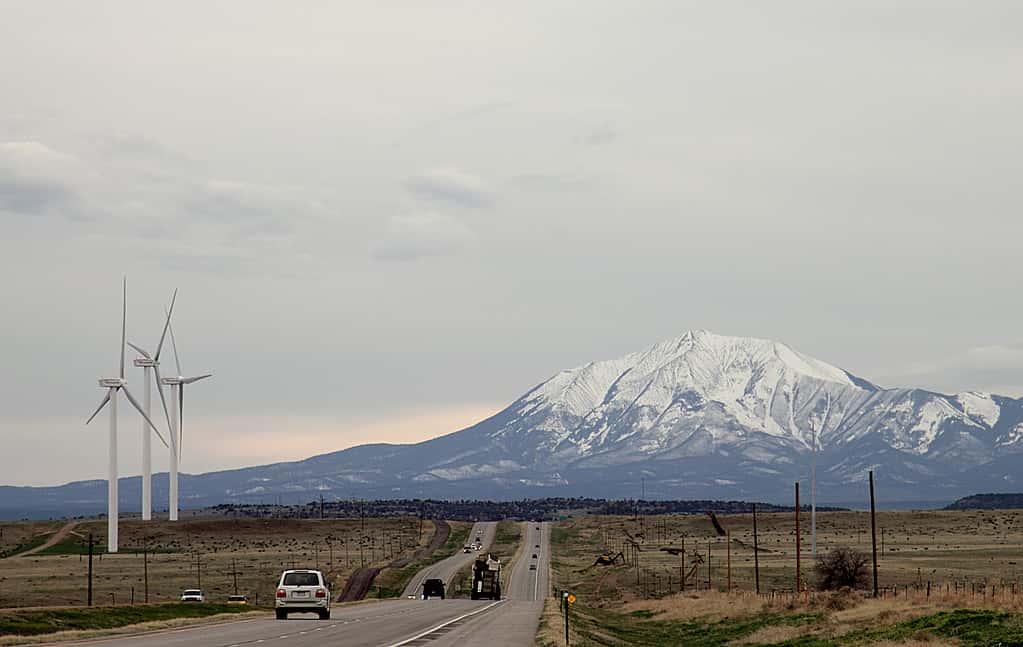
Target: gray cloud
x=33, y=178
x=599, y=136
x=30, y=196
x=452, y=186
x=552, y=182
x=842, y=175
x=139, y=148
x=994, y=368
x=414, y=236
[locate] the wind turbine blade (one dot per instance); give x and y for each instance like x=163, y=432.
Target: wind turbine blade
x=138, y=407
x=140, y=351
x=159, y=347
x=190, y=380
x=174, y=345
x=124, y=318
x=181, y=415
x=106, y=398
x=163, y=399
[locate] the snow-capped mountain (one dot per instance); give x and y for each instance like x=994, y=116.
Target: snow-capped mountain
x=698, y=416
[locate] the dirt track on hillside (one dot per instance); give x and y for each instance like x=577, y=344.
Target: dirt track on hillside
x=57, y=537
x=359, y=583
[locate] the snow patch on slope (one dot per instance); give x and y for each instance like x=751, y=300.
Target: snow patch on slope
x=980, y=406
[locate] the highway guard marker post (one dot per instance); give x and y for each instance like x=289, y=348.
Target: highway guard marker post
x=567, y=599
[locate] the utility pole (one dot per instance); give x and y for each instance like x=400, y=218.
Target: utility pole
x=728, y=541
x=91, y=544
x=145, y=569
x=642, y=497
x=798, y=555
x=709, y=570
x=635, y=550
x=234, y=574
x=420, y=522
x=198, y=570
x=756, y=552
x=683, y=553
x=873, y=531
x=321, y=506
x=813, y=492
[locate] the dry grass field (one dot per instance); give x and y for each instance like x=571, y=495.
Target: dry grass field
x=974, y=548
x=972, y=560
x=206, y=553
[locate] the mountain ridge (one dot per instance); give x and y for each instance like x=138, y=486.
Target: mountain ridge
x=696, y=416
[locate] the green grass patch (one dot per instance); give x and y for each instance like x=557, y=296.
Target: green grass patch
x=38, y=622
x=391, y=582
x=507, y=538
x=74, y=546
x=603, y=627
x=25, y=546
x=977, y=627
x=969, y=626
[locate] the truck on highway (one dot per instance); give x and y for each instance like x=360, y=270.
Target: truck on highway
x=433, y=588
x=486, y=578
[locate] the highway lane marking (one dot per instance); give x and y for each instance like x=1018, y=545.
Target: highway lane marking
x=153, y=632
x=445, y=624
x=539, y=559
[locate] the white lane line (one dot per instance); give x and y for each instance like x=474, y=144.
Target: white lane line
x=444, y=624
x=539, y=560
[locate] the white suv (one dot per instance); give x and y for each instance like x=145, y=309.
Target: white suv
x=193, y=595
x=302, y=591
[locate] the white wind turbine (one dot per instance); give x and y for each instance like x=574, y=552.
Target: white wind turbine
x=177, y=385
x=147, y=362
x=113, y=385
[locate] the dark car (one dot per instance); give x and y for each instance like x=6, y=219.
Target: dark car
x=433, y=588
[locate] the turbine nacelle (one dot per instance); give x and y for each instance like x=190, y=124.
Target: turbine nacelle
x=179, y=380
x=112, y=382
x=144, y=362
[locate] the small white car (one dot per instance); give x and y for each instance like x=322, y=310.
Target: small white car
x=193, y=595
x=302, y=591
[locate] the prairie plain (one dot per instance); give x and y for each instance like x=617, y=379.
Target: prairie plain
x=945, y=577
x=211, y=554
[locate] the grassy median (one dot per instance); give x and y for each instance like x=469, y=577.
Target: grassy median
x=35, y=622
x=391, y=582
x=629, y=604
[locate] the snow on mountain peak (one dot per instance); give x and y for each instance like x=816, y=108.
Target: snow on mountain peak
x=697, y=359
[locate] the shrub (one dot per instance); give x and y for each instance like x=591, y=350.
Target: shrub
x=842, y=567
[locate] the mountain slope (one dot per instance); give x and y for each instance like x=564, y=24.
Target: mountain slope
x=701, y=415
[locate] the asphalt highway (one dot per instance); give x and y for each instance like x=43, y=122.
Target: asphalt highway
x=511, y=622
x=446, y=569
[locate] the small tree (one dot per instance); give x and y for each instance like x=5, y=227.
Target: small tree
x=842, y=567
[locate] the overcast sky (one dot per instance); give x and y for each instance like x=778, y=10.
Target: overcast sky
x=387, y=220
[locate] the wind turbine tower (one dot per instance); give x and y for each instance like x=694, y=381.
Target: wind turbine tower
x=113, y=385
x=149, y=362
x=177, y=386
